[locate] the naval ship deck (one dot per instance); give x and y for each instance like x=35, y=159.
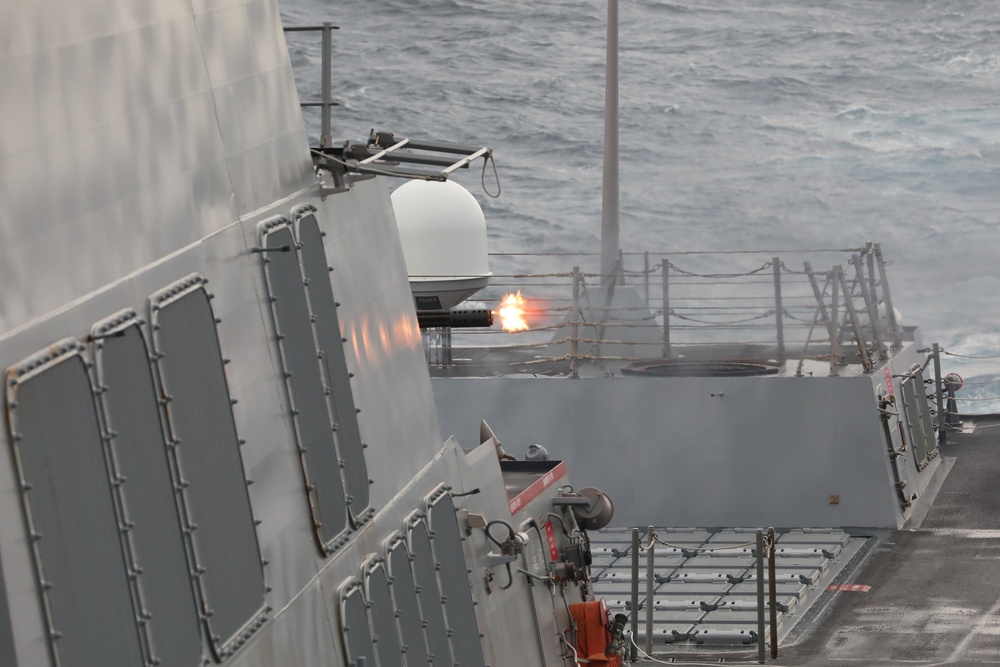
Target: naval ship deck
x=710, y=398
x=927, y=594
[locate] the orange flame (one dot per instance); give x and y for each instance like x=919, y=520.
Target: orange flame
x=512, y=312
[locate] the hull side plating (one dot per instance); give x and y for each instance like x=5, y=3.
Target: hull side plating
x=144, y=153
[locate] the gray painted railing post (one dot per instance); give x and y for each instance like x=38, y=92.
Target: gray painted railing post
x=872, y=282
x=325, y=138
x=761, y=658
x=635, y=592
x=939, y=395
x=665, y=268
x=650, y=555
x=326, y=78
x=834, y=324
x=772, y=592
x=574, y=360
x=446, y=345
x=776, y=266
x=645, y=273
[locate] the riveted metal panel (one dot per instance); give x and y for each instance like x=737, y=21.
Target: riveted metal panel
x=145, y=492
x=354, y=630
x=337, y=378
x=455, y=586
x=404, y=595
x=429, y=590
x=318, y=453
x=215, y=505
x=382, y=613
x=70, y=513
x=918, y=415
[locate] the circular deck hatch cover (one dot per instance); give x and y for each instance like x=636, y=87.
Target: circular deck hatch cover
x=679, y=368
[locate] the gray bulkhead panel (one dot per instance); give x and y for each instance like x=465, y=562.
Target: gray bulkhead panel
x=404, y=595
x=67, y=498
x=323, y=309
x=454, y=580
x=127, y=397
x=382, y=614
x=384, y=349
x=755, y=444
x=317, y=448
x=356, y=634
x=206, y=446
x=429, y=592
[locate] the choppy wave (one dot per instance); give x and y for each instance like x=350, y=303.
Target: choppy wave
x=821, y=123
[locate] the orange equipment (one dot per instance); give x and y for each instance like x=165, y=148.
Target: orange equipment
x=592, y=632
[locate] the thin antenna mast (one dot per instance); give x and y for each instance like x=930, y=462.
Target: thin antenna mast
x=609, y=204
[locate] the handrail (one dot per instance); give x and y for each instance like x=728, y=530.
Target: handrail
x=698, y=303
x=326, y=63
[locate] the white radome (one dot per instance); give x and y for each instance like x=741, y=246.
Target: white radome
x=443, y=232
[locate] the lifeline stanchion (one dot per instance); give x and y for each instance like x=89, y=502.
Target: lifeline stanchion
x=635, y=591
x=574, y=361
x=772, y=592
x=760, y=597
x=779, y=325
x=939, y=397
x=645, y=273
x=665, y=303
x=650, y=554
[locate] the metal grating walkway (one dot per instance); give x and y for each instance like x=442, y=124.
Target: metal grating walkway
x=710, y=596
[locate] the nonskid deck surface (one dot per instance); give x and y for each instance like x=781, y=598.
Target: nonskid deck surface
x=934, y=596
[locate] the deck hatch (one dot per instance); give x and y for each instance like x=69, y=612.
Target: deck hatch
x=354, y=629
x=312, y=423
x=145, y=491
x=330, y=347
x=70, y=511
x=455, y=587
x=382, y=612
x=429, y=593
x=404, y=595
x=218, y=519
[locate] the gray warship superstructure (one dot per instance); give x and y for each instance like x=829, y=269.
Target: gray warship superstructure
x=220, y=443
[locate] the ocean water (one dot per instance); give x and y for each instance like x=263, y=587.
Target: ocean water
x=773, y=124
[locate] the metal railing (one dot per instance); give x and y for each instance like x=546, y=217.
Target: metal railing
x=693, y=304
x=763, y=550
x=325, y=103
